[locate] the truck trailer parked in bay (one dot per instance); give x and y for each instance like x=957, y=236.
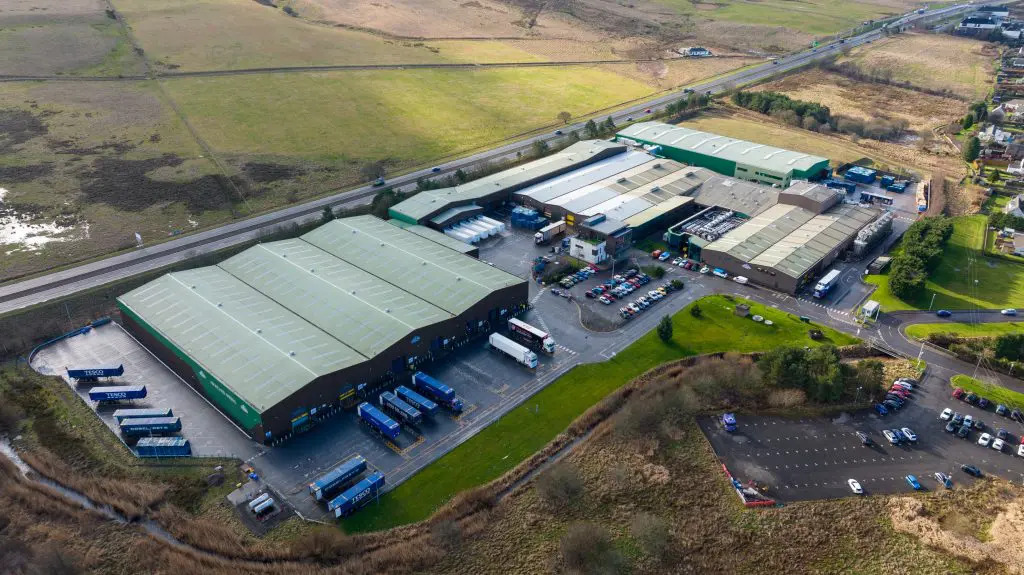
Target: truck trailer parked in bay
x=438, y=391
x=337, y=478
x=94, y=373
x=117, y=393
x=163, y=447
x=549, y=231
x=416, y=400
x=136, y=413
x=531, y=336
x=377, y=421
x=518, y=352
x=150, y=426
x=357, y=496
x=405, y=413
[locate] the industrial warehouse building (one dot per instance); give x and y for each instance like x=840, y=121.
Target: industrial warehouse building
x=286, y=330
x=791, y=242
x=729, y=156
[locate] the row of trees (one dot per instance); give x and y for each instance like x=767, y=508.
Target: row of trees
x=818, y=118
x=820, y=374
x=977, y=112
x=1000, y=220
x=922, y=247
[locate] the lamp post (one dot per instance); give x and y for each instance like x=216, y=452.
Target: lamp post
x=857, y=399
x=932, y=302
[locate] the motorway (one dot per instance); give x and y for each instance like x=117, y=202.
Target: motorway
x=51, y=286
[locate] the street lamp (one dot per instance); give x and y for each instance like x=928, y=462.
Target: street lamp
x=857, y=399
x=932, y=302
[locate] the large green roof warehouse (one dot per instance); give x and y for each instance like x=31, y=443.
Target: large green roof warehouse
x=286, y=329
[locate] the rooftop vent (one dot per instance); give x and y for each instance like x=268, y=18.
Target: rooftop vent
x=291, y=353
x=258, y=330
x=220, y=304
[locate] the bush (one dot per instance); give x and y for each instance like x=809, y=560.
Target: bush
x=695, y=310
x=587, y=548
x=11, y=416
x=677, y=284
x=561, y=486
x=652, y=533
x=665, y=328
x=447, y=534
x=923, y=245
x=1009, y=346
x=656, y=272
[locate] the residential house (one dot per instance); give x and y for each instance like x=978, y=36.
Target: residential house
x=992, y=135
x=1018, y=244
x=1015, y=207
x=1012, y=30
x=997, y=13
x=976, y=26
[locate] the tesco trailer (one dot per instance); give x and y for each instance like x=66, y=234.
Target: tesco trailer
x=440, y=392
x=357, y=496
x=337, y=477
x=416, y=400
x=531, y=336
x=405, y=413
x=94, y=373
x=377, y=421
x=514, y=350
x=117, y=393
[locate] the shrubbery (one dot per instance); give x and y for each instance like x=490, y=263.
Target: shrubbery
x=816, y=117
x=561, y=486
x=588, y=548
x=819, y=373
x=1000, y=220
x=922, y=244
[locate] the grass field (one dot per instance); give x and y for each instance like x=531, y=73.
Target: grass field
x=404, y=117
x=964, y=278
x=816, y=17
x=524, y=430
x=994, y=393
x=923, y=330
x=938, y=62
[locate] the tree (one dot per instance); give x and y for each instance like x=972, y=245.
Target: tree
x=652, y=533
x=574, y=136
x=561, y=486
x=993, y=175
x=591, y=130
x=971, y=149
x=695, y=311
x=609, y=125
x=967, y=122
x=327, y=215
x=540, y=148
x=461, y=176
x=588, y=548
x=665, y=328
x=564, y=117
x=1010, y=346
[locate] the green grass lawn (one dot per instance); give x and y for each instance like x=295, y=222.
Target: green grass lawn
x=526, y=429
x=818, y=17
x=994, y=393
x=923, y=330
x=957, y=282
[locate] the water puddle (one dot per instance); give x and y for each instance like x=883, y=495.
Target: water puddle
x=22, y=232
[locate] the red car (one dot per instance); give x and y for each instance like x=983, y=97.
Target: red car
x=900, y=393
x=958, y=393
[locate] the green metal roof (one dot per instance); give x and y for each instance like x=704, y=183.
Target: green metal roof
x=791, y=239
x=253, y=345
x=426, y=204
x=271, y=319
x=435, y=236
x=770, y=158
x=430, y=271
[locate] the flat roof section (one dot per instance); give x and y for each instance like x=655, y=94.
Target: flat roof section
x=737, y=195
x=548, y=190
x=435, y=236
x=657, y=210
x=434, y=273
x=740, y=151
x=254, y=346
x=356, y=308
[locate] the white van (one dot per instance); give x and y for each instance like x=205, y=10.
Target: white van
x=740, y=280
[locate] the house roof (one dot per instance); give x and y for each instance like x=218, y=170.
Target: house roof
x=777, y=160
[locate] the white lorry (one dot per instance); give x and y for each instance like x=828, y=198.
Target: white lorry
x=517, y=352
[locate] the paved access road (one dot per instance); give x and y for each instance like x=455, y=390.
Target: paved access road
x=48, y=287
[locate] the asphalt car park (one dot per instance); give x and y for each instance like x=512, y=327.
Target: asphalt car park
x=805, y=459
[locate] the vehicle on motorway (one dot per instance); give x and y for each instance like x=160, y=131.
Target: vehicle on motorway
x=971, y=470
x=946, y=414
x=909, y=434
x=378, y=182
x=855, y=487
x=943, y=313
x=1009, y=311
x=913, y=482
x=647, y=111
x=558, y=132
x=951, y=427
x=984, y=440
x=944, y=479
x=435, y=169
x=890, y=436
x=998, y=444
x=864, y=438
x=1001, y=410
x=881, y=409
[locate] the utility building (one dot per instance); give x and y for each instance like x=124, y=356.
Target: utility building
x=727, y=156
x=286, y=330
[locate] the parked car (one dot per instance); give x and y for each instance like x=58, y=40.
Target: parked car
x=1009, y=311
x=971, y=470
x=664, y=256
x=943, y=313
x=900, y=438
x=864, y=438
x=946, y=414
x=944, y=479
x=979, y=424
x=891, y=405
x=909, y=380
x=958, y=393
x=705, y=269
x=1020, y=450
x=909, y=434
x=984, y=440
x=720, y=273
x=655, y=254
x=881, y=409
x=958, y=418
x=963, y=432
x=855, y=487
x=951, y=427
x=971, y=398
x=590, y=294
x=903, y=385
x=1016, y=415
x=890, y=436
x=998, y=444
x=983, y=402
x=913, y=482
x=1001, y=410
x=1002, y=434
x=968, y=421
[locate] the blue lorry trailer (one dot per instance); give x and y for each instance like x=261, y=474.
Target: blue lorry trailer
x=93, y=373
x=437, y=391
x=847, y=187
x=123, y=414
x=416, y=400
x=150, y=426
x=357, y=496
x=377, y=421
x=860, y=174
x=163, y=447
x=337, y=477
x=406, y=413
x=117, y=392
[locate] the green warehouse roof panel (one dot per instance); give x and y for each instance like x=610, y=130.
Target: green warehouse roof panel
x=723, y=147
x=253, y=345
x=435, y=236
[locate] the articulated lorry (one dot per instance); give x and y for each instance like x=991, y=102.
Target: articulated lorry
x=437, y=391
x=117, y=392
x=357, y=496
x=531, y=336
x=94, y=373
x=416, y=400
x=830, y=280
x=405, y=413
x=514, y=350
x=377, y=421
x=549, y=231
x=337, y=477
